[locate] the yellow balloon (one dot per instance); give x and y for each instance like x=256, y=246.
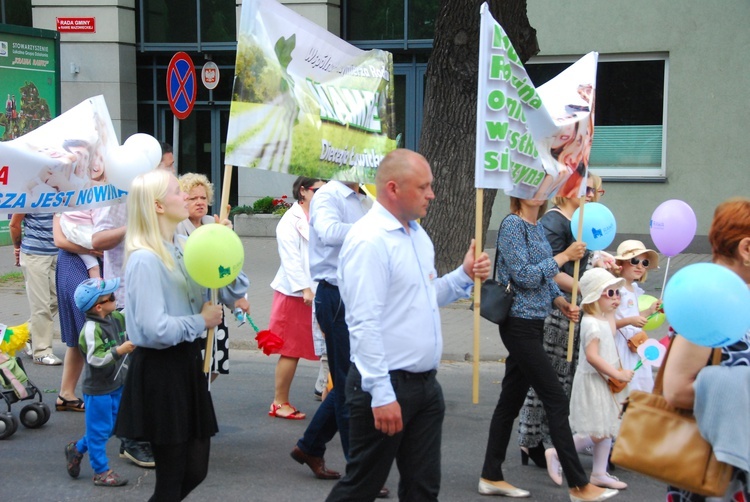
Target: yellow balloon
x=644, y=302
x=213, y=255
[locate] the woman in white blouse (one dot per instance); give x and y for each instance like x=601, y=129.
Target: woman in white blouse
x=294, y=290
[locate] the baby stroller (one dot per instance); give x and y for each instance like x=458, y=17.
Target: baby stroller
x=15, y=386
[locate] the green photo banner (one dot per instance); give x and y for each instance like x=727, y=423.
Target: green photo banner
x=305, y=102
x=29, y=79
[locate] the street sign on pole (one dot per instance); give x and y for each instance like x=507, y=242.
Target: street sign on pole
x=210, y=75
x=181, y=85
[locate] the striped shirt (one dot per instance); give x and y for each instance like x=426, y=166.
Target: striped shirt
x=37, y=236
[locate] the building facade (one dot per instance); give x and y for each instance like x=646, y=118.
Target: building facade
x=670, y=118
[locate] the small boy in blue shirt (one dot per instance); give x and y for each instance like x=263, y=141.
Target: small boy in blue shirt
x=104, y=344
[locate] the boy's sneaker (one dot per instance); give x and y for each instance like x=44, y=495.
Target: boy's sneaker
x=137, y=452
x=109, y=478
x=74, y=457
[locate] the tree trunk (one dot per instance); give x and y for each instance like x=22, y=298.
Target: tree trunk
x=450, y=113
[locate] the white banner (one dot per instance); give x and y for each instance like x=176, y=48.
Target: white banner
x=532, y=143
x=306, y=102
x=60, y=165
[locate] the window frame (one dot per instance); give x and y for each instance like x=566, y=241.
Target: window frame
x=631, y=173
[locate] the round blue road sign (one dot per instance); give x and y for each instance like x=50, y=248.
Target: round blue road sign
x=181, y=85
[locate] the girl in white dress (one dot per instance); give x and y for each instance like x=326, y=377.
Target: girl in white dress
x=634, y=261
x=594, y=410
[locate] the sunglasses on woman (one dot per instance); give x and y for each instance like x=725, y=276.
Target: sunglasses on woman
x=611, y=293
x=636, y=261
x=592, y=191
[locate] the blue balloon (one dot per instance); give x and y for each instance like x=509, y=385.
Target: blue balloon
x=708, y=304
x=599, y=226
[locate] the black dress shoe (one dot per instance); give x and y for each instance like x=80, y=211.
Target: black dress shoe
x=316, y=464
x=384, y=493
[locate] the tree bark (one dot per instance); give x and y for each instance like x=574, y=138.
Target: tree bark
x=450, y=109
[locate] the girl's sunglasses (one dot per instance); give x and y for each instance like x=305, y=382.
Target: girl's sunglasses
x=611, y=293
x=636, y=261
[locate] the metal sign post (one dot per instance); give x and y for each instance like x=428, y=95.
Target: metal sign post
x=182, y=88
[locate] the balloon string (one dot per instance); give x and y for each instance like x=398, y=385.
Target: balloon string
x=664, y=284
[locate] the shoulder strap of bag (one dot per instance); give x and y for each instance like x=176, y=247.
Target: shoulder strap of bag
x=658, y=383
x=497, y=253
x=497, y=250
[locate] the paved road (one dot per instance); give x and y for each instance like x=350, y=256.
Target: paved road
x=250, y=456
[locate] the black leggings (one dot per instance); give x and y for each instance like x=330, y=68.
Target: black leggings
x=179, y=468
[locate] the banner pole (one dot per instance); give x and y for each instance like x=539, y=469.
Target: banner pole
x=576, y=270
x=208, y=356
x=478, y=249
x=223, y=214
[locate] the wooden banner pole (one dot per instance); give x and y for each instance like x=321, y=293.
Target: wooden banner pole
x=478, y=248
x=223, y=214
x=576, y=270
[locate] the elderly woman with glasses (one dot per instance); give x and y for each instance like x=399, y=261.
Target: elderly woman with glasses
x=200, y=194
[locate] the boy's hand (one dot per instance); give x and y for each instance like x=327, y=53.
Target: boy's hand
x=126, y=348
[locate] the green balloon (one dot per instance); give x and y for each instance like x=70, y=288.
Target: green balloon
x=644, y=302
x=213, y=256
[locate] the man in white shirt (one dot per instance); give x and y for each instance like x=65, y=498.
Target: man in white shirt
x=388, y=281
x=334, y=209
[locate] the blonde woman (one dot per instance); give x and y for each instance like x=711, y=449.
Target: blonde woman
x=166, y=399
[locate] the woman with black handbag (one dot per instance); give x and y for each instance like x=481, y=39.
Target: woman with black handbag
x=525, y=259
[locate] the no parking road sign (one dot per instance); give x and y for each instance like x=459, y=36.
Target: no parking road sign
x=181, y=85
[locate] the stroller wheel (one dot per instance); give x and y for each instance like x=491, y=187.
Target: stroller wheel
x=8, y=425
x=32, y=416
x=46, y=411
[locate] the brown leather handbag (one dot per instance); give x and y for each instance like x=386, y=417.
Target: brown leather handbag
x=664, y=443
x=636, y=341
x=615, y=386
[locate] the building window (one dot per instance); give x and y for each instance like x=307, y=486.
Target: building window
x=16, y=12
x=390, y=24
x=175, y=23
x=630, y=113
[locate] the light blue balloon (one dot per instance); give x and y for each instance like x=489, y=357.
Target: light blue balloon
x=599, y=226
x=708, y=304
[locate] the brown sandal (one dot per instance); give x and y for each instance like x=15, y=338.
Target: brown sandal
x=69, y=405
